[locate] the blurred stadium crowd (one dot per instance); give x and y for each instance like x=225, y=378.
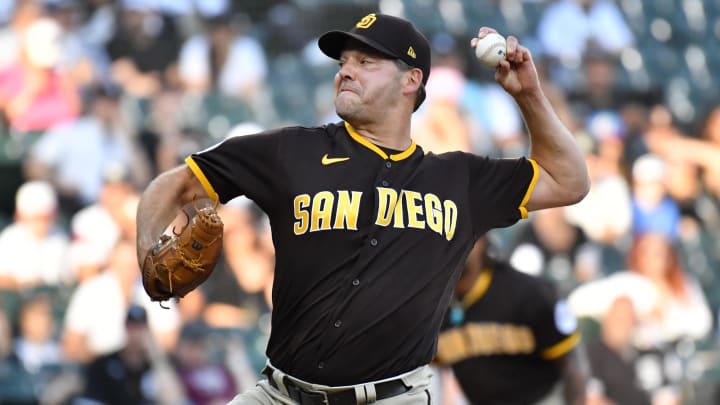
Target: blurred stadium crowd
x=98, y=96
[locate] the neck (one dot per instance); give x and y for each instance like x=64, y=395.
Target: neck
x=394, y=135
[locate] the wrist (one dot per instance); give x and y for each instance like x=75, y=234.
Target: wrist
x=531, y=97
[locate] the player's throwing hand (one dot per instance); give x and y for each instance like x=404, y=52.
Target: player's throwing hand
x=516, y=73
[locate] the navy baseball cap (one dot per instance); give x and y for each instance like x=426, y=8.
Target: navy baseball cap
x=391, y=36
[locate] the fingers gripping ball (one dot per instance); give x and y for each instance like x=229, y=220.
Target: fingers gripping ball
x=179, y=263
x=491, y=49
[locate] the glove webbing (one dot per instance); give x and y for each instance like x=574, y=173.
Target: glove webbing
x=193, y=264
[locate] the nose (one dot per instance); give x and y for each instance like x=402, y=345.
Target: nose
x=347, y=70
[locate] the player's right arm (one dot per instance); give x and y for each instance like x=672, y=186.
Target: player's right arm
x=563, y=178
x=161, y=202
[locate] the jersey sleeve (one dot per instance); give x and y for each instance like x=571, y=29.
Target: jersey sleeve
x=499, y=190
x=555, y=328
x=242, y=165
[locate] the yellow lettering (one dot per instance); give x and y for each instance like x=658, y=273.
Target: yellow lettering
x=300, y=204
x=509, y=343
x=398, y=213
x=527, y=340
x=322, y=211
x=433, y=213
x=414, y=209
x=346, y=214
x=483, y=339
x=451, y=214
x=387, y=199
x=452, y=347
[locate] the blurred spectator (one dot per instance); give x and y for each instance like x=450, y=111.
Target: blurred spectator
x=612, y=356
x=237, y=293
x=86, y=63
x=688, y=161
x=137, y=373
x=710, y=127
x=170, y=127
x=99, y=23
x=653, y=209
x=144, y=49
x=550, y=246
x=34, y=246
x=681, y=310
x=442, y=125
x=94, y=235
x=623, y=303
x=568, y=28
x=35, y=94
x=6, y=337
x=79, y=156
x=605, y=214
x=669, y=306
x=598, y=87
x=22, y=13
x=487, y=120
x=692, y=166
x=496, y=119
x=93, y=324
x=16, y=384
x=112, y=217
x=224, y=57
x=710, y=132
x=205, y=378
x=36, y=344
x=6, y=11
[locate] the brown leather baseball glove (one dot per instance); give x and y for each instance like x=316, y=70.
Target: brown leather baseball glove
x=179, y=263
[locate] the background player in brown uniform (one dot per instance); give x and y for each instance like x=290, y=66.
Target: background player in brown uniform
x=508, y=338
x=370, y=232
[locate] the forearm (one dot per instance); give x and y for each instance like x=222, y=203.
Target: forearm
x=160, y=203
x=554, y=149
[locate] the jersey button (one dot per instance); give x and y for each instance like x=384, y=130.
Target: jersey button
x=321, y=365
x=356, y=282
x=338, y=323
x=373, y=242
x=385, y=183
x=388, y=164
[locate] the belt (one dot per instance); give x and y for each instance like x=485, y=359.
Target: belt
x=305, y=396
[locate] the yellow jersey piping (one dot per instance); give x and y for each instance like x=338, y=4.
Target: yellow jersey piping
x=364, y=142
x=531, y=187
x=203, y=180
x=562, y=348
x=479, y=288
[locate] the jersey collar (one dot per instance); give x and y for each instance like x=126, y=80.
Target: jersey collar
x=364, y=142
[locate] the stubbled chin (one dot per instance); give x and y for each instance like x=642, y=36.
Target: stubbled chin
x=345, y=103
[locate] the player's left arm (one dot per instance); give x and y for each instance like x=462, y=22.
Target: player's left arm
x=563, y=177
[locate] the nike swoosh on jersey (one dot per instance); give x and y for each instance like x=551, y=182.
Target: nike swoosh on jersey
x=328, y=160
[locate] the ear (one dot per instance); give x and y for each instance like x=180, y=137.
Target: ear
x=412, y=81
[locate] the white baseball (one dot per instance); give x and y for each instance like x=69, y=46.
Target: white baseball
x=490, y=49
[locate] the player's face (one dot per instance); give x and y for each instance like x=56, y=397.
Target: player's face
x=366, y=85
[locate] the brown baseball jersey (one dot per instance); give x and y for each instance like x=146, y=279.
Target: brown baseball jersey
x=369, y=241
